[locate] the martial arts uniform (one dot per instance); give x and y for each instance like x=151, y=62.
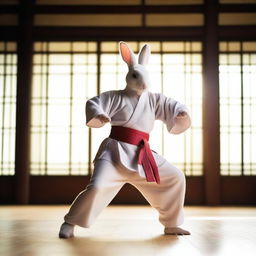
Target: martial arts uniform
x=116, y=162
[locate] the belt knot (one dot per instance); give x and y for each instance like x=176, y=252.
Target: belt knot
x=145, y=156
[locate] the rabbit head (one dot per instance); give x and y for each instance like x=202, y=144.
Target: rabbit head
x=137, y=78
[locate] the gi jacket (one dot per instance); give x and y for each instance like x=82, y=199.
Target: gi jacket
x=119, y=107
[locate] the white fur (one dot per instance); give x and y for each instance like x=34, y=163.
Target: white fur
x=137, y=78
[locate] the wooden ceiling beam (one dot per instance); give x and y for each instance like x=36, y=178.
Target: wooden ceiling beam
x=118, y=33
x=236, y=8
x=93, y=9
x=237, y=33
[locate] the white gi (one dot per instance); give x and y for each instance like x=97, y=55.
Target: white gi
x=116, y=162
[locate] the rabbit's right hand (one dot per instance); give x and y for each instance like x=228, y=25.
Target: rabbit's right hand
x=103, y=119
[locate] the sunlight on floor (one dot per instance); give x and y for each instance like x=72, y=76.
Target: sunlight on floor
x=128, y=230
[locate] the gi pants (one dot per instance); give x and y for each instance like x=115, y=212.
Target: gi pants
x=108, y=178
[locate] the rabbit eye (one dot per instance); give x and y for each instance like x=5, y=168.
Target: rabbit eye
x=134, y=75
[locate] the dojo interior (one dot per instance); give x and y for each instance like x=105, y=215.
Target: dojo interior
x=56, y=54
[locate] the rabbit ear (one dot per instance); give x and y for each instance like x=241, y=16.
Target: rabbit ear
x=144, y=55
x=127, y=54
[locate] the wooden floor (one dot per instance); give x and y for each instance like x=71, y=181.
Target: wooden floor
x=128, y=230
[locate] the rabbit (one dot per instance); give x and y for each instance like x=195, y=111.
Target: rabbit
x=125, y=156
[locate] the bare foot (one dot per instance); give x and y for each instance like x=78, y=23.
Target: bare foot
x=66, y=230
x=176, y=231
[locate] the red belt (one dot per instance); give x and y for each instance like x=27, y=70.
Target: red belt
x=140, y=139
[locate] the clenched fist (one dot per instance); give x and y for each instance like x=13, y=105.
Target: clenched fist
x=182, y=114
x=103, y=118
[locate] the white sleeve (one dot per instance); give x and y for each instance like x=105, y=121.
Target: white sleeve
x=167, y=110
x=98, y=105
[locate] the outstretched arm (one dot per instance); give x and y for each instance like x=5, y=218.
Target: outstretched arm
x=174, y=114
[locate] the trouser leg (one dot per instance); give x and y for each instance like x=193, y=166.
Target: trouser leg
x=105, y=183
x=168, y=196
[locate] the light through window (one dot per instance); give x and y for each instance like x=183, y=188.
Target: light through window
x=8, y=77
x=64, y=76
x=238, y=108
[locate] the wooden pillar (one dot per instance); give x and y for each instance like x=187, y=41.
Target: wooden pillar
x=24, y=81
x=211, y=135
